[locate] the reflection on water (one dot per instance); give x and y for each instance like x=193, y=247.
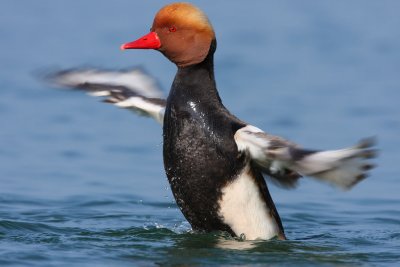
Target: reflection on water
x=235, y=244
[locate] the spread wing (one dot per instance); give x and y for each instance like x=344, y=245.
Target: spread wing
x=131, y=89
x=286, y=161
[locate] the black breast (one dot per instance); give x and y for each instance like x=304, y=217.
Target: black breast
x=200, y=154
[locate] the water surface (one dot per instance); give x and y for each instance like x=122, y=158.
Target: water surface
x=82, y=182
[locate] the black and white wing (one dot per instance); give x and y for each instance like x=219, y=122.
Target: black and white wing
x=286, y=161
x=131, y=89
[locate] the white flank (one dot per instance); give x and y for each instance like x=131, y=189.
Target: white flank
x=244, y=210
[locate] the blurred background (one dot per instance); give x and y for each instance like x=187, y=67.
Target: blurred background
x=321, y=73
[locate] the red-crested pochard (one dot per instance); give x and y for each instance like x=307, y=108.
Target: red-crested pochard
x=214, y=161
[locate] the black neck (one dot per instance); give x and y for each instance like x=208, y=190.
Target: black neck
x=197, y=81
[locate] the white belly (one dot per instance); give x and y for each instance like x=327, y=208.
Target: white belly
x=244, y=210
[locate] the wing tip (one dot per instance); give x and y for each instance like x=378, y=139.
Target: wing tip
x=367, y=142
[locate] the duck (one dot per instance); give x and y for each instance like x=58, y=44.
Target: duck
x=216, y=163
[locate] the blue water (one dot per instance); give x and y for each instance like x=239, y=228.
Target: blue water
x=82, y=183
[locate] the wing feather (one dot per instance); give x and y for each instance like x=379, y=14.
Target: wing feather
x=286, y=161
x=131, y=89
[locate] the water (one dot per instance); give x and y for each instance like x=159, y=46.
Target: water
x=82, y=183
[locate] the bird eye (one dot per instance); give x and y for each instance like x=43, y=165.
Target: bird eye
x=172, y=29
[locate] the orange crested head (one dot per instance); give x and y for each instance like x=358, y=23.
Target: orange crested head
x=181, y=31
x=183, y=16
